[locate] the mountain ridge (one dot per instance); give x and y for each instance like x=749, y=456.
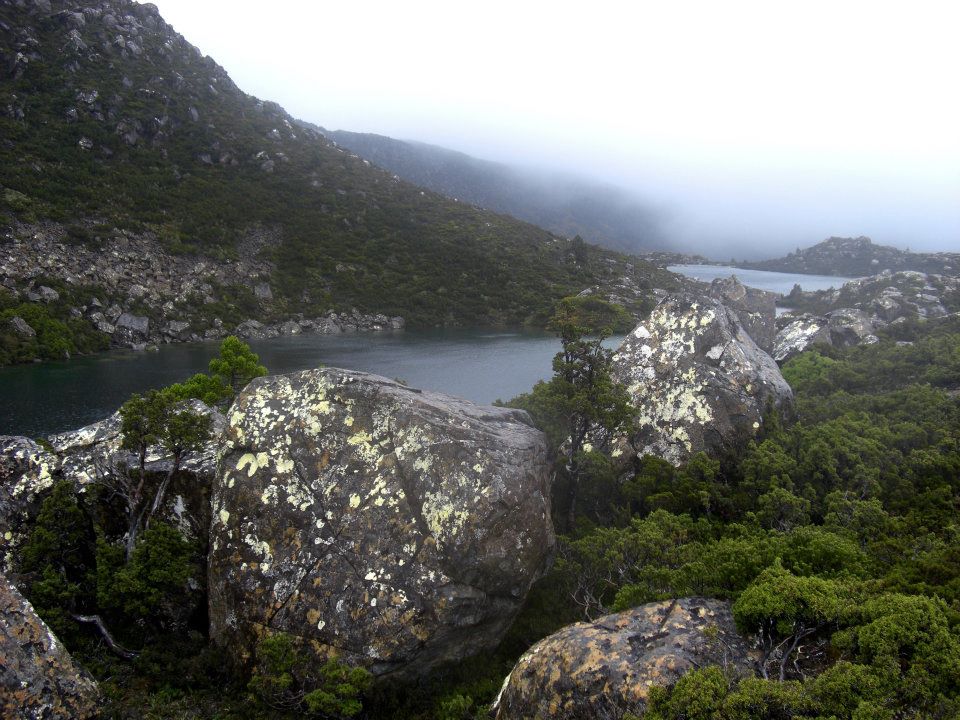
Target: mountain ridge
x=112, y=124
x=565, y=204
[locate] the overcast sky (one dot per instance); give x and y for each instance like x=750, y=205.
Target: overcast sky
x=756, y=126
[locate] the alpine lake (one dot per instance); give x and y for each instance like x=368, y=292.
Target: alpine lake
x=479, y=365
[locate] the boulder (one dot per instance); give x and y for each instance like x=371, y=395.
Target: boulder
x=696, y=378
x=605, y=668
x=849, y=327
x=797, y=334
x=22, y=328
x=43, y=294
x=392, y=527
x=38, y=678
x=177, y=330
x=757, y=309
x=27, y=471
x=100, y=322
x=131, y=329
x=93, y=454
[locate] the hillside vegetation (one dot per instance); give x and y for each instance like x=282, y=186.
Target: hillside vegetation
x=112, y=121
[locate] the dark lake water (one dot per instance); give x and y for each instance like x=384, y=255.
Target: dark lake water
x=482, y=366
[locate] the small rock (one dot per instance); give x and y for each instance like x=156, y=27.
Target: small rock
x=21, y=327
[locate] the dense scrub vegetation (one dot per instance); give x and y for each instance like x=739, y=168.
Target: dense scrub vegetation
x=835, y=534
x=57, y=332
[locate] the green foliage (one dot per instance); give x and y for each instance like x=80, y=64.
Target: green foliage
x=284, y=681
x=151, y=590
x=237, y=364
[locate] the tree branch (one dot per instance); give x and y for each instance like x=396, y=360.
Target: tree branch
x=97, y=622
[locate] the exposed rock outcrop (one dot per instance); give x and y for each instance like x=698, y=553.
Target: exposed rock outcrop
x=852, y=314
x=697, y=379
x=395, y=528
x=756, y=309
x=604, y=669
x=93, y=454
x=38, y=678
x=27, y=471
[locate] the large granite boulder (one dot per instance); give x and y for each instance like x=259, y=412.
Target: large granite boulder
x=394, y=528
x=38, y=678
x=756, y=309
x=697, y=379
x=605, y=668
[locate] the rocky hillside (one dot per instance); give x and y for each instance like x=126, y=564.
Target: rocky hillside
x=567, y=205
x=119, y=138
x=857, y=257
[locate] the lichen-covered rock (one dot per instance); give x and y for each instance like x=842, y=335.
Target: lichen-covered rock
x=756, y=309
x=799, y=333
x=844, y=327
x=605, y=669
x=394, y=528
x=697, y=379
x=38, y=678
x=26, y=471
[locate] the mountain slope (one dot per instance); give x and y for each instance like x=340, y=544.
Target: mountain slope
x=858, y=257
x=564, y=204
x=110, y=121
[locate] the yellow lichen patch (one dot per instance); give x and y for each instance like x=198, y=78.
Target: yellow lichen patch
x=348, y=421
x=354, y=501
x=224, y=517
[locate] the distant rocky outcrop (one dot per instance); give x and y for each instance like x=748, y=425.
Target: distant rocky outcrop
x=852, y=315
x=697, y=379
x=853, y=257
x=605, y=668
x=93, y=455
x=38, y=678
x=394, y=528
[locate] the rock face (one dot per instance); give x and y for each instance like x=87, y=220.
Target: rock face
x=606, y=668
x=756, y=309
x=395, y=528
x=696, y=377
x=38, y=678
x=92, y=454
x=26, y=472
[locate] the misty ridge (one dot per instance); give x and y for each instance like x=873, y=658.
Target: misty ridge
x=561, y=202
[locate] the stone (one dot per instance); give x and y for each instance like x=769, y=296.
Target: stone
x=253, y=330
x=26, y=472
x=696, y=378
x=178, y=330
x=43, y=294
x=93, y=453
x=131, y=330
x=38, y=678
x=849, y=327
x=262, y=291
x=799, y=333
x=290, y=327
x=756, y=309
x=605, y=668
x=21, y=327
x=101, y=323
x=396, y=528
